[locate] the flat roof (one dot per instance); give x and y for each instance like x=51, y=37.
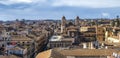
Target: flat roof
x=56, y=38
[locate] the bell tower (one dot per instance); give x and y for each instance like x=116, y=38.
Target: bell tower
x=77, y=21
x=63, y=24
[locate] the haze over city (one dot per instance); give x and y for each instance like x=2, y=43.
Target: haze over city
x=55, y=9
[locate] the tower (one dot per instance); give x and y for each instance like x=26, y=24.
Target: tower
x=63, y=24
x=77, y=21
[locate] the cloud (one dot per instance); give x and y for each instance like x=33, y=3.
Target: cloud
x=105, y=14
x=70, y=3
x=87, y=3
x=10, y=2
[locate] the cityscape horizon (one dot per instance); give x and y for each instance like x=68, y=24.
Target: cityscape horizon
x=53, y=9
x=60, y=19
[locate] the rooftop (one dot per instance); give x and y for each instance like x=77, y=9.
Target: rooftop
x=23, y=38
x=56, y=38
x=88, y=52
x=9, y=56
x=75, y=52
x=45, y=54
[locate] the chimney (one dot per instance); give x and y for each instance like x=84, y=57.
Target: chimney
x=84, y=45
x=90, y=45
x=119, y=36
x=106, y=47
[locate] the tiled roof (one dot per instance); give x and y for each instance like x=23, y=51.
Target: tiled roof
x=45, y=54
x=20, y=38
x=88, y=52
x=9, y=56
x=50, y=54
x=62, y=53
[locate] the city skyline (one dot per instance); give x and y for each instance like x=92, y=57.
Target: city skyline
x=54, y=9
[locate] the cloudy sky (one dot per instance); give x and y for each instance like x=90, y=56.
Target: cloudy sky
x=55, y=9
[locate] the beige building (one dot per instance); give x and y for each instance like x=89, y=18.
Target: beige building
x=89, y=33
x=100, y=33
x=60, y=42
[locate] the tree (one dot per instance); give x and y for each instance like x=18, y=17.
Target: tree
x=117, y=21
x=112, y=23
